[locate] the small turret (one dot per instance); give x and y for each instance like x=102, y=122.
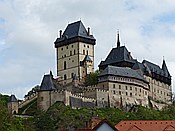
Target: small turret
x=75, y=80
x=13, y=105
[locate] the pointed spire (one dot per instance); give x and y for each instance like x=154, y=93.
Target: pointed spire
x=165, y=69
x=118, y=39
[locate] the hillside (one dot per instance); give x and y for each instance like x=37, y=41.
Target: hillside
x=61, y=116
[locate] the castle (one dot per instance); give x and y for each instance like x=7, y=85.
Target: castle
x=122, y=83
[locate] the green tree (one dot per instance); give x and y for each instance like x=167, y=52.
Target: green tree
x=92, y=79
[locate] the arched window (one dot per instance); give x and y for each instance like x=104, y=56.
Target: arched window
x=70, y=53
x=64, y=65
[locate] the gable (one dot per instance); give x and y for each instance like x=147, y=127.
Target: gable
x=169, y=128
x=104, y=127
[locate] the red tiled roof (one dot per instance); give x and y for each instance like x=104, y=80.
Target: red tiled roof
x=146, y=125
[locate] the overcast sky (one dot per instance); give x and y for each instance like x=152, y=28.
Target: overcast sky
x=28, y=29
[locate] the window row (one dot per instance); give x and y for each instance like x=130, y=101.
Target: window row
x=65, y=76
x=67, y=47
x=126, y=87
x=127, y=93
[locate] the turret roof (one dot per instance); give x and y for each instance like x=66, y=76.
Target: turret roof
x=13, y=99
x=47, y=83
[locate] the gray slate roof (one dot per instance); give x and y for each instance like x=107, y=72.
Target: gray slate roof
x=122, y=71
x=47, y=83
x=156, y=69
x=165, y=69
x=87, y=58
x=73, y=30
x=13, y=99
x=117, y=55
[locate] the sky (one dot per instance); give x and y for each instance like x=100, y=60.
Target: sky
x=28, y=29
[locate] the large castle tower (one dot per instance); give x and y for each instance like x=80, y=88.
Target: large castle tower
x=74, y=52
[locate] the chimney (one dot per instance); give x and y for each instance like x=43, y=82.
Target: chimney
x=93, y=122
x=60, y=33
x=88, y=31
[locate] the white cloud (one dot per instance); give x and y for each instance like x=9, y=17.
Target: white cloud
x=31, y=27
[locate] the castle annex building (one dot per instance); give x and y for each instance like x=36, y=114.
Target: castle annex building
x=123, y=81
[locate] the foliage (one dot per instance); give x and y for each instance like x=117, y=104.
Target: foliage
x=9, y=123
x=33, y=90
x=61, y=116
x=92, y=79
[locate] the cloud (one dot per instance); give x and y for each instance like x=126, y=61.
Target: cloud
x=29, y=28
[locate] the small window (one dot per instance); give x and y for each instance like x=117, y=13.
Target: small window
x=113, y=92
x=70, y=53
x=61, y=48
x=67, y=47
x=131, y=94
x=64, y=65
x=83, y=52
x=84, y=45
x=126, y=87
x=130, y=87
x=120, y=93
x=72, y=75
x=140, y=90
x=119, y=86
x=72, y=46
x=87, y=46
x=87, y=52
x=65, y=77
x=74, y=52
x=126, y=93
x=114, y=86
x=136, y=89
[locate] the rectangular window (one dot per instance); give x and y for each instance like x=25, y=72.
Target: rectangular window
x=119, y=86
x=130, y=87
x=113, y=92
x=131, y=94
x=114, y=86
x=126, y=87
x=72, y=75
x=126, y=93
x=120, y=93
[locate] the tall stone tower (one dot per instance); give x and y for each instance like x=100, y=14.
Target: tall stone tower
x=74, y=52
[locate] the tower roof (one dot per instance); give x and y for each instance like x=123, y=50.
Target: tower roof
x=118, y=54
x=75, y=32
x=87, y=58
x=13, y=99
x=47, y=83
